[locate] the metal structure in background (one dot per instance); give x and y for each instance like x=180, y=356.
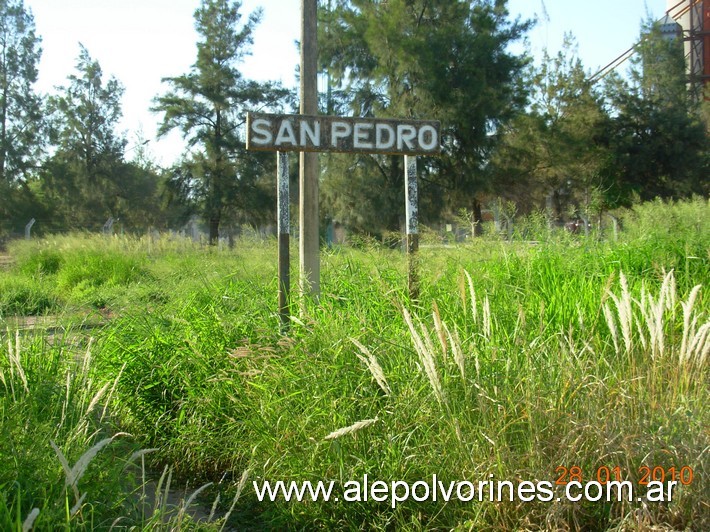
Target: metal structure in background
x=28, y=228
x=698, y=37
x=693, y=16
x=108, y=226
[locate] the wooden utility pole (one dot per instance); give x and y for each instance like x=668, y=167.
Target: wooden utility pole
x=308, y=245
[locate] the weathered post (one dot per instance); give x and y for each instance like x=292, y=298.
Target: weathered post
x=28, y=228
x=309, y=259
x=194, y=230
x=284, y=229
x=108, y=226
x=412, y=214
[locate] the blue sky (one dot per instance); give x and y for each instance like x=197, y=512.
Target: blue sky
x=141, y=41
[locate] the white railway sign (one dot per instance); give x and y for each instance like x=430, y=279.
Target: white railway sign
x=303, y=133
x=274, y=132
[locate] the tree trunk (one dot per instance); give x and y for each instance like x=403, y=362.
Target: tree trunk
x=217, y=181
x=3, y=132
x=477, y=218
x=214, y=230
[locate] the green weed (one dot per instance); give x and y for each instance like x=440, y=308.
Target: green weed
x=518, y=359
x=25, y=296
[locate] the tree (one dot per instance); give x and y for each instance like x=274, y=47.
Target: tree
x=660, y=144
x=552, y=155
x=419, y=59
x=208, y=106
x=20, y=116
x=83, y=179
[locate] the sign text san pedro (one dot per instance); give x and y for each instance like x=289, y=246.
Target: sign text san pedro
x=273, y=132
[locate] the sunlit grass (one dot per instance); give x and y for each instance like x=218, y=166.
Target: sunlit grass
x=518, y=358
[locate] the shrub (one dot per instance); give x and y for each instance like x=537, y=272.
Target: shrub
x=25, y=297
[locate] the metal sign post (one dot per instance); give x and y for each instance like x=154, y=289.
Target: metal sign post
x=284, y=229
x=411, y=198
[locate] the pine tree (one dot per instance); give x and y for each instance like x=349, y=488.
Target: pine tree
x=660, y=143
x=82, y=180
x=208, y=106
x=418, y=59
x=552, y=155
x=20, y=117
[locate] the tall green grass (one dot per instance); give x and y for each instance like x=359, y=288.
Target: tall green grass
x=52, y=400
x=66, y=465
x=516, y=359
x=527, y=353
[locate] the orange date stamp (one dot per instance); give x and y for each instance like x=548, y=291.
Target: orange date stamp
x=605, y=474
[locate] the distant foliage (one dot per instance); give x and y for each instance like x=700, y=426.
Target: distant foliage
x=449, y=61
x=21, y=119
x=207, y=106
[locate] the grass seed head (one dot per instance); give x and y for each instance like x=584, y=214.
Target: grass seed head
x=351, y=429
x=426, y=356
x=29, y=521
x=374, y=366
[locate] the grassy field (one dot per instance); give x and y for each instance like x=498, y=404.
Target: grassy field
x=130, y=367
